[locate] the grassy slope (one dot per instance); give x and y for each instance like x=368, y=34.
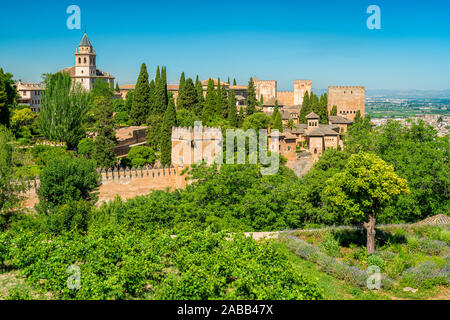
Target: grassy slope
x=335, y=289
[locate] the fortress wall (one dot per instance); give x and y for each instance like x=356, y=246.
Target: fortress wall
x=265, y=88
x=285, y=98
x=300, y=87
x=348, y=99
x=126, y=184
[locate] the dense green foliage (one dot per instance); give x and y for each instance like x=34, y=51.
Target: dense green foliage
x=66, y=179
x=140, y=156
x=8, y=96
x=141, y=104
x=63, y=110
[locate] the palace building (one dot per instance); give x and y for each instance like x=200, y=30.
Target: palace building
x=85, y=70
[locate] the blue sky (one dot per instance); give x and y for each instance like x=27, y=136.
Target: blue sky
x=326, y=41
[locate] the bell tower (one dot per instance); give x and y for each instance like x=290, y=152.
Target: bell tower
x=85, y=64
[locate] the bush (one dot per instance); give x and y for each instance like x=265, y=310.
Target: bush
x=116, y=263
x=139, y=156
x=426, y=275
x=330, y=245
x=73, y=216
x=67, y=179
x=375, y=260
x=86, y=147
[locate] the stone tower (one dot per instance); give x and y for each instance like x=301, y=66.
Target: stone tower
x=348, y=99
x=300, y=87
x=85, y=68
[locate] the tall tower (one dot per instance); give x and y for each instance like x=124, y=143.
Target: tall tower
x=85, y=64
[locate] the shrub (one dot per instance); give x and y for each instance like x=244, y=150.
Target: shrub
x=330, y=245
x=426, y=275
x=86, y=147
x=72, y=216
x=116, y=263
x=67, y=179
x=139, y=156
x=376, y=260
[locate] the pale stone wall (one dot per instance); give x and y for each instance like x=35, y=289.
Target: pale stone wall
x=265, y=88
x=300, y=87
x=348, y=100
x=126, y=183
x=285, y=98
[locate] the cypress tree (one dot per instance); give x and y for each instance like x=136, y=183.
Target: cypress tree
x=357, y=118
x=228, y=81
x=251, y=100
x=241, y=117
x=188, y=100
x=164, y=79
x=210, y=102
x=306, y=108
x=169, y=121
x=224, y=97
x=278, y=123
x=234, y=82
x=333, y=111
x=5, y=113
x=315, y=105
x=275, y=110
x=160, y=93
x=232, y=111
x=219, y=105
x=323, y=109
x=140, y=107
x=152, y=98
x=117, y=87
x=181, y=89
x=200, y=100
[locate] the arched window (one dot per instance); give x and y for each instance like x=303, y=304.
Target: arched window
x=315, y=151
x=79, y=60
x=85, y=60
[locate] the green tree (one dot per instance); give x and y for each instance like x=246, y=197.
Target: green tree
x=129, y=100
x=189, y=98
x=219, y=101
x=86, y=148
x=333, y=111
x=101, y=88
x=63, y=110
x=225, y=103
x=154, y=123
x=275, y=110
x=251, y=100
x=105, y=139
x=210, y=103
x=169, y=121
x=8, y=97
x=357, y=118
x=241, y=117
x=277, y=122
x=160, y=92
x=65, y=179
x=9, y=190
x=181, y=89
x=359, y=192
x=140, y=156
x=257, y=121
x=117, y=87
x=323, y=103
x=232, y=111
x=141, y=104
x=234, y=82
x=200, y=99
x=306, y=108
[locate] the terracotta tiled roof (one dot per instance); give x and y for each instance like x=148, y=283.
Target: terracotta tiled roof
x=127, y=86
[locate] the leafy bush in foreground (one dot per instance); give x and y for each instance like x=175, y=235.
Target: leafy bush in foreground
x=118, y=264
